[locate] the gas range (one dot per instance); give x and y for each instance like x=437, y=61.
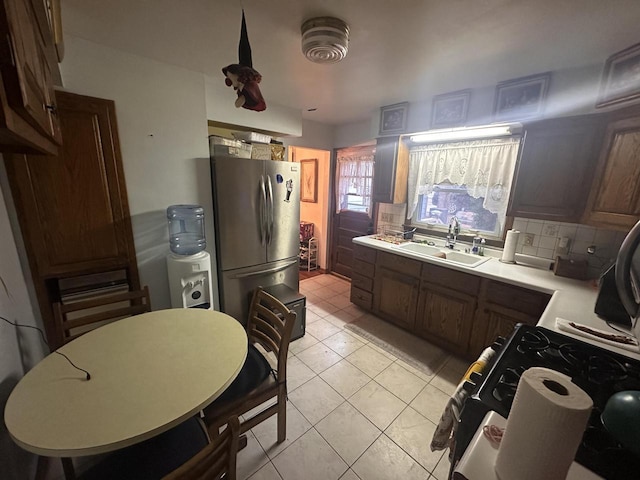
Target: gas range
x=599, y=372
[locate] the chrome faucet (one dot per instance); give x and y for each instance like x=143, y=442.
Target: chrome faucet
x=454, y=230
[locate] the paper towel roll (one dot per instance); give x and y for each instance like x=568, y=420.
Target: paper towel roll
x=510, y=244
x=545, y=427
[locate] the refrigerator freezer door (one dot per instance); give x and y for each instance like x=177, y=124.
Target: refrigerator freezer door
x=239, y=202
x=283, y=199
x=238, y=285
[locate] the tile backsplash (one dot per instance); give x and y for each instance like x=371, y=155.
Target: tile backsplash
x=544, y=238
x=391, y=216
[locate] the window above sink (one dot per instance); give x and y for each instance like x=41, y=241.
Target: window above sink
x=469, y=180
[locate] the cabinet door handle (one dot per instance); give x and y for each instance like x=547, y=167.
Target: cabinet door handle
x=52, y=108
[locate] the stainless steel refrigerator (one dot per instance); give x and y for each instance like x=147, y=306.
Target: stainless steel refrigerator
x=257, y=225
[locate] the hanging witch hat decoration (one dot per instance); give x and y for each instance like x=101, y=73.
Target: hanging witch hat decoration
x=243, y=78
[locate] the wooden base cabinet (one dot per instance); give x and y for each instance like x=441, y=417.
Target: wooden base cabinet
x=364, y=260
x=395, y=297
x=500, y=307
x=461, y=312
x=395, y=288
x=446, y=315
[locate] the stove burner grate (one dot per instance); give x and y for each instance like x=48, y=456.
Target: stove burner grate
x=505, y=389
x=598, y=372
x=533, y=341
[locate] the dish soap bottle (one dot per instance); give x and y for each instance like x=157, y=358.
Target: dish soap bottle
x=475, y=247
x=481, y=248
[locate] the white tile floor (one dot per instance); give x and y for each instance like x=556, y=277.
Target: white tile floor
x=354, y=411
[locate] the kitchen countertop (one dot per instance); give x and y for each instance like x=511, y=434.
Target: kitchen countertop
x=478, y=461
x=572, y=300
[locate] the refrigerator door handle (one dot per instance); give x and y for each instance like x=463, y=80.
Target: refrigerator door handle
x=269, y=211
x=624, y=275
x=263, y=213
x=268, y=270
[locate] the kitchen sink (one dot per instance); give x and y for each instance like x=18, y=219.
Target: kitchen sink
x=466, y=258
x=444, y=255
x=421, y=248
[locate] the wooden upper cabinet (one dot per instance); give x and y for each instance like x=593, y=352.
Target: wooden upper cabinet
x=390, y=171
x=615, y=197
x=73, y=207
x=28, y=114
x=555, y=168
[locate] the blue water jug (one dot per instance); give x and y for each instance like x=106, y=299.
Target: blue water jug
x=186, y=229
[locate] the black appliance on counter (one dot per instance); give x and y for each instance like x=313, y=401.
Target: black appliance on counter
x=599, y=372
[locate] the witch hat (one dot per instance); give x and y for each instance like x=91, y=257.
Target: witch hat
x=243, y=77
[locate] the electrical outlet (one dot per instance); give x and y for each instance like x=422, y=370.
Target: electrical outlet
x=528, y=239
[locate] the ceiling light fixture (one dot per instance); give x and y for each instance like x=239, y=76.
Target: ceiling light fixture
x=325, y=39
x=466, y=133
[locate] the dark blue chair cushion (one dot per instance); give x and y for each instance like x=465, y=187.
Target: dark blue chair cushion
x=153, y=458
x=255, y=370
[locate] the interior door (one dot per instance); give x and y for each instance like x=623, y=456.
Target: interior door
x=283, y=198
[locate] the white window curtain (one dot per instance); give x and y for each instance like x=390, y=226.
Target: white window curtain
x=485, y=167
x=354, y=176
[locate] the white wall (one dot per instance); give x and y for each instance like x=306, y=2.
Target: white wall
x=162, y=124
x=314, y=135
x=276, y=118
x=571, y=92
x=162, y=113
x=20, y=349
x=357, y=133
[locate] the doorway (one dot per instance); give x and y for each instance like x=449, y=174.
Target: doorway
x=314, y=206
x=353, y=206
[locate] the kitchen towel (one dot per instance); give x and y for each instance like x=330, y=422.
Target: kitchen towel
x=510, y=244
x=545, y=427
x=450, y=418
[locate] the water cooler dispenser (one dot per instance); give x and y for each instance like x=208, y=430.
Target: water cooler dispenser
x=188, y=265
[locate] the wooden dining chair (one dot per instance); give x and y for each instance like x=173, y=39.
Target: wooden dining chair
x=215, y=460
x=185, y=452
x=76, y=318
x=269, y=325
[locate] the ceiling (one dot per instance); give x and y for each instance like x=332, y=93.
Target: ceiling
x=402, y=50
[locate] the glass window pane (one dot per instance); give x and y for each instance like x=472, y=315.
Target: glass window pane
x=447, y=201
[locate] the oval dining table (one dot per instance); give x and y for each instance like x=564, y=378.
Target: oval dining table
x=149, y=373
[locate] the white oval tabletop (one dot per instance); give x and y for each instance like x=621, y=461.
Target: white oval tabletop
x=148, y=372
